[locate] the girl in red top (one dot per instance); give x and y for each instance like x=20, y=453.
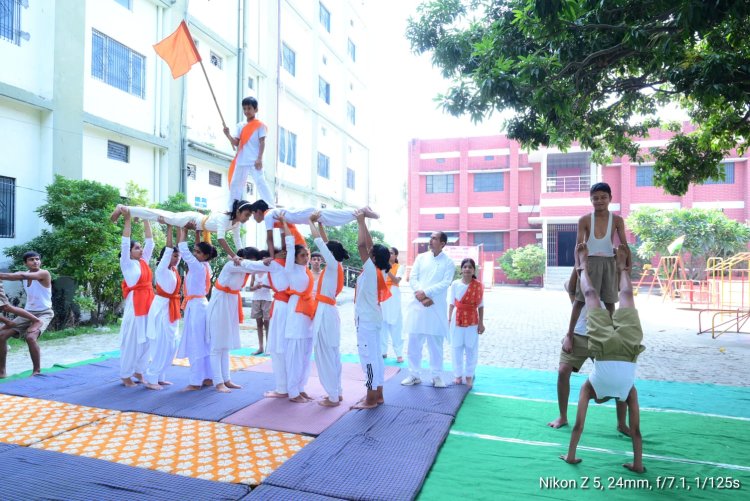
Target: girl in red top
x=465, y=296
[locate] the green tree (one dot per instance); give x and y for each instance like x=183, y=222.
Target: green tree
x=598, y=73
x=524, y=263
x=708, y=233
x=347, y=235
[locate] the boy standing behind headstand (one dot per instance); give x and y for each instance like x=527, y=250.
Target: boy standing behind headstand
x=250, y=140
x=615, y=343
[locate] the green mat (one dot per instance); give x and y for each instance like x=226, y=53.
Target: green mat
x=505, y=445
x=55, y=368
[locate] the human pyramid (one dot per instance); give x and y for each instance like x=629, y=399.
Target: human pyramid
x=303, y=315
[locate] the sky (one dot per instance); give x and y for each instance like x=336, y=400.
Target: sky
x=402, y=88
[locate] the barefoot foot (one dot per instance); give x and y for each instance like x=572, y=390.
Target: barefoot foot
x=222, y=388
x=370, y=213
x=365, y=404
x=457, y=380
x=153, y=386
x=275, y=394
x=192, y=387
x=305, y=396
x=208, y=382
x=564, y=457
x=327, y=403
x=164, y=383
x=581, y=256
x=623, y=429
x=400, y=360
x=116, y=213
x=299, y=399
x=128, y=382
x=558, y=423
x=259, y=351
x=470, y=382
x=622, y=257
x=232, y=385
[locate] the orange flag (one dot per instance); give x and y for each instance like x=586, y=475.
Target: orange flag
x=178, y=50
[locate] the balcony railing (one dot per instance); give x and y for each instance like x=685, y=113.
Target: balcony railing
x=567, y=184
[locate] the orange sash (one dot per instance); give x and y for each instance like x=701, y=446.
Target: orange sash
x=306, y=303
x=143, y=291
x=393, y=270
x=187, y=297
x=384, y=292
x=298, y=238
x=339, y=287
x=245, y=135
x=174, y=297
x=240, y=313
x=277, y=294
x=466, y=309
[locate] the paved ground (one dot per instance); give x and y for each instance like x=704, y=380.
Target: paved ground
x=524, y=330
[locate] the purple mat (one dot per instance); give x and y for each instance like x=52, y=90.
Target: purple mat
x=310, y=418
x=348, y=370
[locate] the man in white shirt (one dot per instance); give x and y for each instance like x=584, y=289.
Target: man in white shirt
x=427, y=315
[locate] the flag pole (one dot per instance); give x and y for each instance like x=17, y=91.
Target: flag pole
x=223, y=123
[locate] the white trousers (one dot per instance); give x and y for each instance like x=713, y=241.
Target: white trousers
x=178, y=219
x=298, y=353
x=278, y=363
x=328, y=362
x=162, y=352
x=434, y=346
x=200, y=369
x=336, y=217
x=471, y=353
x=392, y=331
x=133, y=355
x=219, y=361
x=238, y=187
x=368, y=348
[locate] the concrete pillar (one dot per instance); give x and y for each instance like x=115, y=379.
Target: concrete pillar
x=513, y=192
x=464, y=189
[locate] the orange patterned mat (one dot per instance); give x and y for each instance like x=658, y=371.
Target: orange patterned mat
x=200, y=449
x=236, y=363
x=24, y=421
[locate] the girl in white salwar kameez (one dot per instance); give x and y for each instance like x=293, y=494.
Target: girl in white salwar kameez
x=224, y=316
x=138, y=292
x=164, y=316
x=276, y=343
x=300, y=312
x=391, y=307
x=194, y=341
x=326, y=326
x=218, y=222
x=465, y=296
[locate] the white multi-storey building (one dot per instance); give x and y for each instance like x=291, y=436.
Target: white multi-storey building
x=84, y=95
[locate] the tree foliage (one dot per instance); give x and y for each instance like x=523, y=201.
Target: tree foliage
x=598, y=73
x=708, y=233
x=524, y=263
x=347, y=235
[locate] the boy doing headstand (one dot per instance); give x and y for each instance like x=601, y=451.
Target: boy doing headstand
x=615, y=342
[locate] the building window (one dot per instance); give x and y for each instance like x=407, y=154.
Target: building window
x=323, y=166
x=118, y=151
x=644, y=175
x=440, y=184
x=324, y=90
x=217, y=60
x=728, y=175
x=351, y=113
x=352, y=50
x=350, y=178
x=10, y=21
x=490, y=181
x=288, y=59
x=214, y=178
x=287, y=147
x=439, y=216
x=440, y=160
x=488, y=215
x=7, y=207
x=117, y=65
x=200, y=203
x=191, y=171
x=325, y=60
x=249, y=188
x=125, y=3
x=325, y=18
x=489, y=157
x=492, y=241
x=250, y=83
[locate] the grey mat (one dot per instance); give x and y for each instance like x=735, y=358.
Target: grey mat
x=378, y=454
x=5, y=447
x=98, y=385
x=424, y=397
x=39, y=474
x=272, y=493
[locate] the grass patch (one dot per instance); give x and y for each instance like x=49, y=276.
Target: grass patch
x=70, y=332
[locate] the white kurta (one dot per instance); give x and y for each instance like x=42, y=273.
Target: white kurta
x=433, y=275
x=276, y=343
x=222, y=315
x=393, y=319
x=217, y=222
x=161, y=332
x=298, y=331
x=133, y=340
x=194, y=342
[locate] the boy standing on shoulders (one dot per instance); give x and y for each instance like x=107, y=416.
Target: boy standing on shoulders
x=250, y=140
x=34, y=319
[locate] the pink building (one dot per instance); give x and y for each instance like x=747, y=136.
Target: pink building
x=488, y=191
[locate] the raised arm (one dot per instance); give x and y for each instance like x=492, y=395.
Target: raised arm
x=364, y=240
x=233, y=140
x=237, y=235
x=148, y=244
x=170, y=241
x=185, y=253
x=125, y=243
x=323, y=234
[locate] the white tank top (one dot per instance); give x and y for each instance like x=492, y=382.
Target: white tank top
x=38, y=297
x=600, y=246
